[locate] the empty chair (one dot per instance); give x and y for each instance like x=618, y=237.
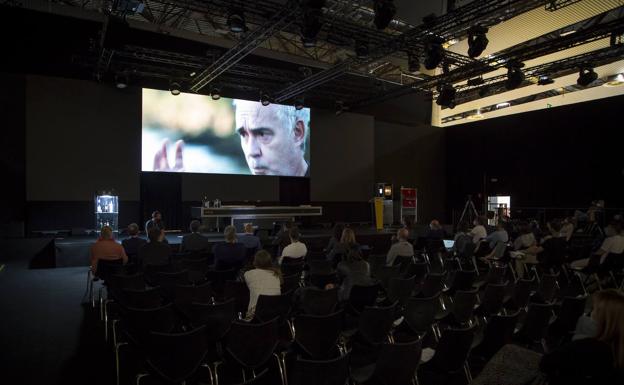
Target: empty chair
x=498, y=332
x=290, y=282
x=463, y=280
x=217, y=318
x=420, y=313
x=522, y=292
x=418, y=270
x=548, y=287
x=317, y=336
x=496, y=275
x=572, y=309
x=400, y=289
x=122, y=281
x=145, y=299
x=403, y=262
x=272, y=306
x=151, y=270
x=375, y=323
x=238, y=291
x=292, y=267
x=536, y=324
x=138, y=323
x=218, y=279
x=450, y=355
x=175, y=357
x=433, y=284
x=185, y=295
x=377, y=262
x=493, y=297
x=386, y=273
x=196, y=268
x=362, y=296
x=334, y=371
x=396, y=365
x=319, y=302
x=463, y=307
x=107, y=268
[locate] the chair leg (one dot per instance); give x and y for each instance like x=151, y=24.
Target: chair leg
x=281, y=365
x=117, y=369
x=139, y=376
x=467, y=372
x=101, y=300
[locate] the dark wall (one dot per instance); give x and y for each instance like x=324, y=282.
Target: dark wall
x=559, y=157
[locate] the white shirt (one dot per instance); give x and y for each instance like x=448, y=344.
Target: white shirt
x=478, y=232
x=260, y=282
x=613, y=245
x=401, y=248
x=524, y=241
x=294, y=250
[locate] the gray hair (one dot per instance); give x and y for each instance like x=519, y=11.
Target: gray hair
x=288, y=116
x=133, y=229
x=230, y=233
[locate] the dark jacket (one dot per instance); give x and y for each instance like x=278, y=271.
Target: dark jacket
x=229, y=255
x=194, y=242
x=154, y=253
x=132, y=245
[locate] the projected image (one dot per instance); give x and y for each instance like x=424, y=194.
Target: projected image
x=193, y=133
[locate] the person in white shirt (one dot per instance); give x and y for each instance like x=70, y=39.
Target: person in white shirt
x=296, y=249
x=401, y=248
x=264, y=279
x=478, y=232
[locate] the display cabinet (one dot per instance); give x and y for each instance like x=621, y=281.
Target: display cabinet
x=106, y=211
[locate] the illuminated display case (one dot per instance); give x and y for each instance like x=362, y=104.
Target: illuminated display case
x=106, y=211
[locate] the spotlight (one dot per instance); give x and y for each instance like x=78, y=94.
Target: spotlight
x=361, y=49
x=215, y=94
x=384, y=12
x=586, y=76
x=310, y=27
x=413, y=63
x=446, y=98
x=236, y=21
x=515, y=76
x=265, y=99
x=121, y=81
x=544, y=80
x=477, y=41
x=433, y=53
x=174, y=87
x=299, y=104
x=502, y=105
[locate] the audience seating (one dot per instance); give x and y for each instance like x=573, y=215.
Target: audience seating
x=334, y=371
x=397, y=365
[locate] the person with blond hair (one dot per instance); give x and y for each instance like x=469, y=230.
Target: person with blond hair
x=263, y=279
x=105, y=248
x=598, y=359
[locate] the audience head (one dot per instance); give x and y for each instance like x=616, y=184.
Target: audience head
x=555, y=226
x=156, y=215
x=608, y=314
x=106, y=232
x=294, y=234
x=133, y=229
x=194, y=226
x=249, y=228
x=263, y=260
x=154, y=234
x=463, y=227
x=402, y=234
x=348, y=236
x=230, y=234
x=481, y=220
x=435, y=225
x=338, y=229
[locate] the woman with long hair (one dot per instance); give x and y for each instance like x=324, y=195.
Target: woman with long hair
x=263, y=279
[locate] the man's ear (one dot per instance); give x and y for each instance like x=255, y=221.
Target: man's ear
x=299, y=132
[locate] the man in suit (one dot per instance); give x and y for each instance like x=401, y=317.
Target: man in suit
x=194, y=242
x=248, y=239
x=134, y=243
x=155, y=252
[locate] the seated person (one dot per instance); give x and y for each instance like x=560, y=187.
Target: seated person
x=296, y=250
x=435, y=230
x=132, y=244
x=462, y=238
x=586, y=325
x=567, y=229
x=500, y=235
x=105, y=248
x=552, y=251
x=597, y=360
x=354, y=271
x=229, y=254
x=525, y=239
x=155, y=252
x=282, y=238
x=336, y=235
x=194, y=242
x=263, y=279
x=478, y=232
x=248, y=238
x=611, y=245
x=401, y=248
x=347, y=242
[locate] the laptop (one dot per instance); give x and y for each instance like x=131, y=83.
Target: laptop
x=448, y=243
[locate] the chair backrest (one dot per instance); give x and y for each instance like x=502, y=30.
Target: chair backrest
x=140, y=322
x=453, y=348
x=322, y=280
x=572, y=309
x=144, y=299
x=238, y=291
x=498, y=332
x=469, y=250
x=251, y=345
x=398, y=362
x=374, y=323
x=184, y=295
x=319, y=302
x=176, y=356
x=292, y=266
x=548, y=286
x=195, y=264
x=216, y=317
x=420, y=313
x=386, y=273
x=320, y=266
x=493, y=297
x=271, y=306
x=522, y=292
x=361, y=296
x=325, y=372
x=463, y=280
x=316, y=335
x=123, y=281
x=219, y=277
x=434, y=282
x=464, y=304
x=418, y=270
x=403, y=261
x=108, y=267
x=537, y=321
x=496, y=274
x=400, y=289
x=169, y=279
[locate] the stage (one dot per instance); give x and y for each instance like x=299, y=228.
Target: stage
x=48, y=252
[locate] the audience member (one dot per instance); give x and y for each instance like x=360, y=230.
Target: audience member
x=435, y=230
x=282, y=238
x=263, y=279
x=401, y=248
x=594, y=360
x=295, y=249
x=500, y=235
x=586, y=326
x=552, y=251
x=194, y=242
x=248, y=238
x=354, y=271
x=336, y=236
x=525, y=238
x=133, y=243
x=155, y=252
x=611, y=245
x=229, y=254
x=462, y=237
x=105, y=248
x=478, y=232
x=347, y=242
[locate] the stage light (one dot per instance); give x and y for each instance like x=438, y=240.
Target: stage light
x=384, y=12
x=121, y=81
x=361, y=49
x=299, y=104
x=544, y=80
x=433, y=53
x=310, y=27
x=215, y=93
x=586, y=76
x=413, y=62
x=616, y=81
x=477, y=41
x=515, y=76
x=446, y=98
x=236, y=21
x=174, y=87
x=502, y=105
x=265, y=99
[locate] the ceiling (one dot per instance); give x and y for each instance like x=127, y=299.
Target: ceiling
x=190, y=42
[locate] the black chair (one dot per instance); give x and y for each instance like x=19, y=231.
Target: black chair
x=400, y=289
x=571, y=310
x=418, y=270
x=450, y=355
x=375, y=323
x=433, y=284
x=320, y=372
x=320, y=266
x=536, y=324
x=185, y=295
x=319, y=302
x=138, y=323
x=108, y=267
x=196, y=268
x=144, y=299
x=239, y=292
x=548, y=287
x=151, y=271
x=463, y=307
x=317, y=336
x=420, y=313
x=493, y=298
x=397, y=365
x=291, y=266
x=219, y=278
x=498, y=332
x=322, y=280
x=462, y=280
x=522, y=292
x=175, y=357
x=168, y=280
x=362, y=296
x=269, y=307
x=290, y=282
x=403, y=262
x=386, y=273
x=121, y=281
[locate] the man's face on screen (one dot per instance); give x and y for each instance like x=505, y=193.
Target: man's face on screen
x=270, y=147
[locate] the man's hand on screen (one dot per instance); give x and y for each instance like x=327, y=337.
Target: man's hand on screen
x=161, y=163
